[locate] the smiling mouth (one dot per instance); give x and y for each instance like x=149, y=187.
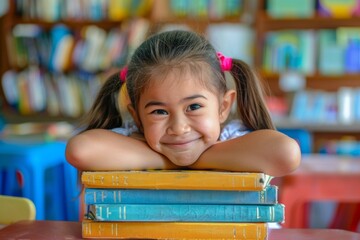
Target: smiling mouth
x=182, y=143
x=179, y=143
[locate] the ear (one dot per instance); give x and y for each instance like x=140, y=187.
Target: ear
x=226, y=105
x=135, y=116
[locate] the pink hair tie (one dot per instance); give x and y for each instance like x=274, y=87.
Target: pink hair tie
x=123, y=74
x=225, y=62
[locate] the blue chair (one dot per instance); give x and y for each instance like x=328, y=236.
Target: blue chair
x=72, y=192
x=302, y=136
x=44, y=176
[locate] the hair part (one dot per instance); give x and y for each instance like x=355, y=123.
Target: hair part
x=166, y=51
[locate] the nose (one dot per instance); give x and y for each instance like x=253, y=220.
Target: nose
x=178, y=125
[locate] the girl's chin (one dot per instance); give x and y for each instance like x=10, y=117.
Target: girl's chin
x=183, y=162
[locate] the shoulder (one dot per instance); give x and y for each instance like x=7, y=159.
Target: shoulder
x=233, y=129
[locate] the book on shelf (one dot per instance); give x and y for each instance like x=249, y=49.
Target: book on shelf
x=61, y=48
x=290, y=50
x=341, y=107
x=174, y=230
x=290, y=9
x=186, y=212
x=176, y=179
x=349, y=39
x=154, y=196
x=331, y=55
x=338, y=8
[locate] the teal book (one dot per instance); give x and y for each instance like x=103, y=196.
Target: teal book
x=186, y=212
x=291, y=9
x=160, y=196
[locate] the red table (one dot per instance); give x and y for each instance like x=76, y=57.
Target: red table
x=319, y=178
x=72, y=230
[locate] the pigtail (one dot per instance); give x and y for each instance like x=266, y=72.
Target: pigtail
x=251, y=104
x=104, y=113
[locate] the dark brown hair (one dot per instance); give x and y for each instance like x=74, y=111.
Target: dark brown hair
x=186, y=49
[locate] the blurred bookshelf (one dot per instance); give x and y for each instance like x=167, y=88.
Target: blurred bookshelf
x=50, y=46
x=56, y=54
x=55, y=60
x=318, y=41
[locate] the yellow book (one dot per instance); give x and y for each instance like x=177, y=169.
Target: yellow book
x=119, y=10
x=174, y=179
x=174, y=230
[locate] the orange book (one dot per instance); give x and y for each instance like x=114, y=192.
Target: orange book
x=174, y=230
x=176, y=179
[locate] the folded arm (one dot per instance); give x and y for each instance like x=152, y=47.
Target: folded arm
x=265, y=151
x=100, y=149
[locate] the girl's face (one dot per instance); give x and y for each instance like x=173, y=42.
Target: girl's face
x=181, y=118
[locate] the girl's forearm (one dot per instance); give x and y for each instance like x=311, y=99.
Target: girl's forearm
x=265, y=151
x=100, y=149
x=260, y=151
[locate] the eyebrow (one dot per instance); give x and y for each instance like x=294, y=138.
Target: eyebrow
x=158, y=103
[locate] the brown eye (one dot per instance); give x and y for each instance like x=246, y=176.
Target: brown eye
x=159, y=112
x=193, y=107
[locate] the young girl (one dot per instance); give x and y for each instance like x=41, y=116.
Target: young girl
x=179, y=101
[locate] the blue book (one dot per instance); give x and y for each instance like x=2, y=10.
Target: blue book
x=152, y=196
x=352, y=53
x=357, y=104
x=186, y=212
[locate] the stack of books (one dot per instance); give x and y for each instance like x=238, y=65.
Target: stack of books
x=188, y=204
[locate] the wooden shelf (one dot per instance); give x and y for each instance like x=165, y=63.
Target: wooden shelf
x=193, y=20
x=76, y=24
x=316, y=22
x=324, y=133
x=333, y=83
x=14, y=117
x=323, y=82
x=320, y=126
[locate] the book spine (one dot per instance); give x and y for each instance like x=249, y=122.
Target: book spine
x=346, y=105
x=172, y=230
x=176, y=180
x=146, y=196
x=187, y=212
